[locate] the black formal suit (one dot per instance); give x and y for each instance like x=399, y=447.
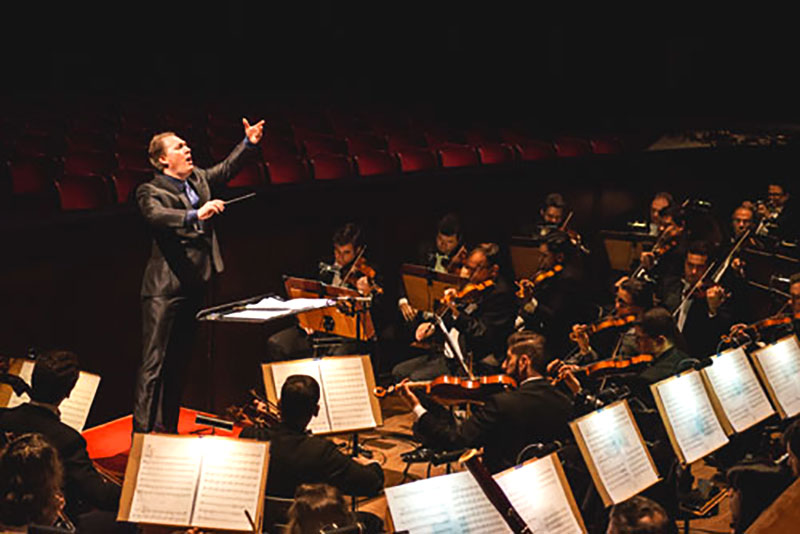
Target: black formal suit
x=504, y=425
x=297, y=457
x=84, y=487
x=184, y=256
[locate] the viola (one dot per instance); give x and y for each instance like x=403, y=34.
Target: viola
x=758, y=326
x=528, y=285
x=613, y=321
x=469, y=292
x=359, y=269
x=667, y=240
x=454, y=388
x=605, y=367
x=457, y=260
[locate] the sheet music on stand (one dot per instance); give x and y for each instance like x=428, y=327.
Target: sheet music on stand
x=260, y=310
x=425, y=286
x=779, y=367
x=346, y=383
x=735, y=391
x=74, y=409
x=526, y=258
x=192, y=481
x=455, y=503
x=331, y=320
x=612, y=445
x=625, y=248
x=693, y=426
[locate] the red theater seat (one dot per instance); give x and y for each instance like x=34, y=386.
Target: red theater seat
x=37, y=146
x=399, y=141
x=323, y=145
x=442, y=138
x=97, y=163
x=360, y=143
x=79, y=142
x=376, y=162
x=126, y=181
x=136, y=160
x=83, y=192
x=277, y=148
x=251, y=175
x=130, y=141
x=458, y=156
x=331, y=166
x=568, y=147
x=607, y=145
x=31, y=177
x=416, y=159
x=495, y=153
x=531, y=150
x=290, y=170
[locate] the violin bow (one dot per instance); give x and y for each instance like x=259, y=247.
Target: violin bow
x=354, y=262
x=454, y=348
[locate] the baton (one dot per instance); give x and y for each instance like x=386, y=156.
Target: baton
x=237, y=199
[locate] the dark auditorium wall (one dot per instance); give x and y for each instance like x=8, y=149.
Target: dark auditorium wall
x=73, y=280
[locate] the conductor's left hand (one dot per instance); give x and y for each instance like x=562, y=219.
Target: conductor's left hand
x=253, y=132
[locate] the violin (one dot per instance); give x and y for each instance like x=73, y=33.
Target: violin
x=606, y=367
x=359, y=269
x=457, y=260
x=453, y=388
x=758, y=326
x=528, y=285
x=574, y=237
x=259, y=412
x=612, y=321
x=667, y=240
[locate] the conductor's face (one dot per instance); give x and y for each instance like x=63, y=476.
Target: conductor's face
x=176, y=157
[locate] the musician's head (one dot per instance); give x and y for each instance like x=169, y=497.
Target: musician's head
x=656, y=332
x=317, y=508
x=526, y=356
x=448, y=234
x=661, y=201
x=553, y=209
x=791, y=439
x=481, y=263
x=794, y=291
x=777, y=193
x=556, y=247
x=639, y=515
x=30, y=482
x=299, y=401
x=633, y=296
x=171, y=155
x=743, y=219
x=54, y=376
x=346, y=242
x=696, y=262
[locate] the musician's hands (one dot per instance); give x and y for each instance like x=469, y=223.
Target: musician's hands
x=210, y=208
x=407, y=311
x=450, y=292
x=737, y=265
x=253, y=132
x=715, y=295
x=424, y=331
x=564, y=372
x=363, y=286
x=407, y=395
x=648, y=259
x=621, y=281
x=581, y=337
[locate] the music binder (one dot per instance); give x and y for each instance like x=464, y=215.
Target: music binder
x=424, y=286
x=779, y=367
x=191, y=481
x=615, y=452
x=346, y=383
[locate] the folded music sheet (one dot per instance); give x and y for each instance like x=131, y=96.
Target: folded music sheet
x=346, y=382
x=689, y=417
x=779, y=367
x=270, y=308
x=186, y=481
x=455, y=503
x=617, y=457
x=735, y=390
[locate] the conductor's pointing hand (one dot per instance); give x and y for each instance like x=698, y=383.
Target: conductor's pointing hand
x=210, y=208
x=253, y=132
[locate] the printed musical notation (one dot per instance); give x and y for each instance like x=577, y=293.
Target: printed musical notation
x=780, y=364
x=689, y=416
x=614, y=447
x=736, y=386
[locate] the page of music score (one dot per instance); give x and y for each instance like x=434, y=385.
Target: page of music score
x=781, y=365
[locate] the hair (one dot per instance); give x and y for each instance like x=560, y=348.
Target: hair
x=299, y=399
x=156, y=149
x=757, y=486
x=490, y=250
x=666, y=196
x=520, y=335
x=659, y=322
x=701, y=248
x=791, y=438
x=554, y=200
x=639, y=515
x=350, y=233
x=795, y=278
x=54, y=376
x=746, y=205
x=30, y=481
x=316, y=506
x=535, y=347
x=641, y=292
x=449, y=225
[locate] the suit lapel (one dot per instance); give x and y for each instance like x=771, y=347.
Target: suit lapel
x=169, y=184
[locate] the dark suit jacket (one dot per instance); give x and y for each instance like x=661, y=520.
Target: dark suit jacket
x=182, y=258
x=534, y=412
x=299, y=458
x=83, y=484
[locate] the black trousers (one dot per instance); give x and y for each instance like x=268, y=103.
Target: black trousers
x=168, y=331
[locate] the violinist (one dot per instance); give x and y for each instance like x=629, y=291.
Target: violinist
x=508, y=421
x=775, y=327
x=665, y=258
x=478, y=323
x=552, y=215
x=659, y=208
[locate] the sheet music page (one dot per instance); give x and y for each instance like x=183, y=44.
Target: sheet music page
x=25, y=373
x=621, y=460
x=281, y=308
x=166, y=482
x=691, y=415
x=781, y=364
x=75, y=408
x=230, y=483
x=282, y=370
x=347, y=394
x=735, y=383
x=539, y=497
x=447, y=504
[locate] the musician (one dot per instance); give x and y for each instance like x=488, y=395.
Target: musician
x=639, y=515
x=742, y=219
x=178, y=209
x=533, y=412
x=780, y=211
x=54, y=376
x=296, y=457
x=552, y=215
x=479, y=326
x=659, y=208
